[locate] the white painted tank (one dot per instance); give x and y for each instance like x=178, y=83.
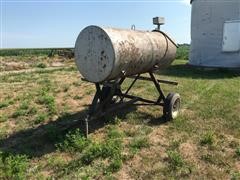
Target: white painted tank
x=103, y=54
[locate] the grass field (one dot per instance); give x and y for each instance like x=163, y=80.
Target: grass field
x=34, y=52
x=182, y=52
x=41, y=135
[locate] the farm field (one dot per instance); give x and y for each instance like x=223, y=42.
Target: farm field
x=41, y=132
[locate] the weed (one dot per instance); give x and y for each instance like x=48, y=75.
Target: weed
x=40, y=118
x=235, y=176
x=77, y=83
x=65, y=88
x=215, y=159
x=175, y=159
x=46, y=85
x=41, y=65
x=144, y=130
x=89, y=91
x=32, y=110
x=113, y=133
x=78, y=97
x=24, y=109
x=114, y=166
x=74, y=142
x=49, y=101
x=112, y=148
x=3, y=118
x=174, y=145
x=24, y=105
x=92, y=152
x=114, y=120
x=238, y=151
x=131, y=132
x=207, y=139
x=13, y=166
x=233, y=144
x=208, y=158
x=18, y=113
x=5, y=103
x=55, y=162
x=138, y=143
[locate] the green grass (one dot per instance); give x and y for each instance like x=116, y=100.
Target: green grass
x=207, y=139
x=34, y=52
x=238, y=151
x=175, y=159
x=24, y=109
x=40, y=118
x=41, y=136
x=24, y=52
x=6, y=103
x=3, y=118
x=41, y=65
x=138, y=143
x=13, y=166
x=49, y=101
x=91, y=151
x=74, y=142
x=183, y=52
x=235, y=176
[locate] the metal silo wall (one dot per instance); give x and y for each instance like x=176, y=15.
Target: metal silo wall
x=207, y=24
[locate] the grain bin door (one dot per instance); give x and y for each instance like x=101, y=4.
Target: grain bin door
x=231, y=36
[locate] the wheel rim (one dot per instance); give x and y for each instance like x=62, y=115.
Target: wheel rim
x=175, y=108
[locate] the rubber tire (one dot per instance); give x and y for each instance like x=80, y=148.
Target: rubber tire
x=170, y=108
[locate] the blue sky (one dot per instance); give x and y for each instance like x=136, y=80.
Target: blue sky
x=36, y=24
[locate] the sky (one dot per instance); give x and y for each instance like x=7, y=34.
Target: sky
x=57, y=23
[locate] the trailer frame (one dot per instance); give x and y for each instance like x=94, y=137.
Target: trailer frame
x=109, y=97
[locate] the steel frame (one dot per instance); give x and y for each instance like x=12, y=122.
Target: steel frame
x=109, y=97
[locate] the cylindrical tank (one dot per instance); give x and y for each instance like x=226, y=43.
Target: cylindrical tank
x=103, y=54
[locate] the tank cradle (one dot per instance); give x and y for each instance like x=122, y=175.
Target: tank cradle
x=109, y=97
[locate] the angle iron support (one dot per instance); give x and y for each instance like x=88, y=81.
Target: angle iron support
x=157, y=85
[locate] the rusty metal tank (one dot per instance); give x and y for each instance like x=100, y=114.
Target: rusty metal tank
x=103, y=54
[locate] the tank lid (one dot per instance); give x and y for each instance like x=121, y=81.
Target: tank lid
x=94, y=54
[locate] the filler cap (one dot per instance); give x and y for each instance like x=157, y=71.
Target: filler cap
x=158, y=20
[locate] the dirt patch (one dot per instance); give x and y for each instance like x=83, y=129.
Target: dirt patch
x=237, y=164
x=124, y=173
x=158, y=136
x=57, y=64
x=11, y=66
x=189, y=150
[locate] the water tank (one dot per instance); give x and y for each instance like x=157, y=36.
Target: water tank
x=103, y=54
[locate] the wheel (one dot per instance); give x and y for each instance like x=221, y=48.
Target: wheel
x=171, y=106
